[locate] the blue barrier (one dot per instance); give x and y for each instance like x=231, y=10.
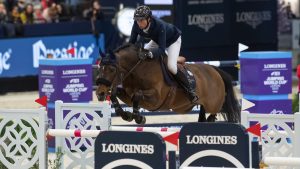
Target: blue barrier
x=200, y=144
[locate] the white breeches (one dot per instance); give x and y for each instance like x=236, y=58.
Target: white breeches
x=172, y=51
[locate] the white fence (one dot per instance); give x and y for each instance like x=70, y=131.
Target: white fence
x=280, y=137
x=22, y=138
x=17, y=126
x=82, y=116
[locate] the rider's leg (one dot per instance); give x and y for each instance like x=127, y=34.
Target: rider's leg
x=173, y=53
x=182, y=79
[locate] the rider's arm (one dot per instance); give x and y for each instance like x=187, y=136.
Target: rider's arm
x=134, y=33
x=161, y=43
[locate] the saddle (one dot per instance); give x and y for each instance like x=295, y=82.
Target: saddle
x=169, y=77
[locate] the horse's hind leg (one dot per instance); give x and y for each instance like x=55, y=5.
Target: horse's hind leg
x=202, y=117
x=211, y=118
x=202, y=113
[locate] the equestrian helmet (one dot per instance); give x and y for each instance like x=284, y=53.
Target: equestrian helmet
x=142, y=12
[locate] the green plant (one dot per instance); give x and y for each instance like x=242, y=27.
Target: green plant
x=55, y=164
x=295, y=103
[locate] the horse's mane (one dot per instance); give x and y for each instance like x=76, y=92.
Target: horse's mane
x=124, y=46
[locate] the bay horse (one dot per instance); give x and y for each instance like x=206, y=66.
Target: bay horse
x=140, y=83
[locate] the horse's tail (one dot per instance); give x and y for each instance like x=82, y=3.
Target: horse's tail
x=231, y=105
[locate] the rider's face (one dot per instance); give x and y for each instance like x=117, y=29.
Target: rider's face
x=142, y=23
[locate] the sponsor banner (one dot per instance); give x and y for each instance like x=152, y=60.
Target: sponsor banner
x=205, y=23
x=68, y=80
x=264, y=73
x=20, y=57
x=51, y=125
x=281, y=106
x=254, y=21
x=202, y=144
x=116, y=149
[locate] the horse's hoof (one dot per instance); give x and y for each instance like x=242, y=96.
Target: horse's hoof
x=119, y=112
x=211, y=118
x=140, y=119
x=127, y=116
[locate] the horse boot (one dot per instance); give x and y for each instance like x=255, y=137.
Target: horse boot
x=182, y=79
x=127, y=116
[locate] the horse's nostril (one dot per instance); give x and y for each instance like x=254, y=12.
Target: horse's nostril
x=101, y=96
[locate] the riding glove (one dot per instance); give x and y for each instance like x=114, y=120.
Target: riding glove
x=145, y=54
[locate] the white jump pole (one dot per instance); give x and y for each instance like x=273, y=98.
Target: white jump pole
x=88, y=133
x=273, y=134
x=150, y=129
x=73, y=133
x=281, y=161
x=211, y=168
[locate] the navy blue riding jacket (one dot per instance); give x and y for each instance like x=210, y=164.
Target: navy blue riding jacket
x=162, y=33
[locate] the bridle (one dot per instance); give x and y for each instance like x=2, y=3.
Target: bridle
x=120, y=74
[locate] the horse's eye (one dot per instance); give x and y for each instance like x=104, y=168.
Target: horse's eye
x=112, y=69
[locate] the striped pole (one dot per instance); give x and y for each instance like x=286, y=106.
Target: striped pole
x=149, y=129
x=95, y=133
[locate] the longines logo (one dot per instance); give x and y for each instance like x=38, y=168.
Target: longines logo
x=253, y=18
x=210, y=139
x=127, y=148
x=206, y=21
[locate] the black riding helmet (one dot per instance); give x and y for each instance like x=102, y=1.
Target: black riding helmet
x=142, y=12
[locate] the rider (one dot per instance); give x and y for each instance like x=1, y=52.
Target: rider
x=165, y=38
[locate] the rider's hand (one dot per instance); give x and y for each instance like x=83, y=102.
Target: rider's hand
x=145, y=54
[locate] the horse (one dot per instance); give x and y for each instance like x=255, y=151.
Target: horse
x=140, y=82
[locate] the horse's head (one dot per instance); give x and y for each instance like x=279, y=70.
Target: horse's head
x=107, y=75
x=117, y=65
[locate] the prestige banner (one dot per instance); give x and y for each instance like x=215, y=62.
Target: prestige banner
x=20, y=57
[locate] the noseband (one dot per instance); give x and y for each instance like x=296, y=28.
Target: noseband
x=120, y=74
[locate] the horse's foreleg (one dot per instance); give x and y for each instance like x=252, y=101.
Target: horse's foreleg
x=118, y=109
x=136, y=114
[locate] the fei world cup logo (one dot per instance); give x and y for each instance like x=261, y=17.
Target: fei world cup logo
x=252, y=18
x=206, y=21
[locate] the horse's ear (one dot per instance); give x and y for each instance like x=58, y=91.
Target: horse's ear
x=101, y=53
x=112, y=55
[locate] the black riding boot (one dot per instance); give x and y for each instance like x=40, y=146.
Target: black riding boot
x=186, y=84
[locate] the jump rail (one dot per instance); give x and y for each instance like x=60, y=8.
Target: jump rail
x=281, y=161
x=94, y=133
x=217, y=63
